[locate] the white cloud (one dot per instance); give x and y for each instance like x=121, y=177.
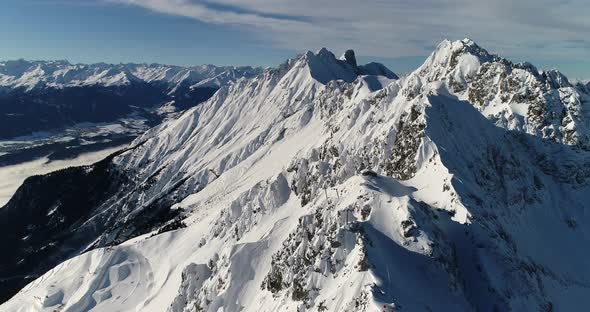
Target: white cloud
x=393, y=28
x=13, y=176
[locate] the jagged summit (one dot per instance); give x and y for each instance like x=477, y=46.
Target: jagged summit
x=349, y=57
x=448, y=53
x=325, y=67
x=516, y=96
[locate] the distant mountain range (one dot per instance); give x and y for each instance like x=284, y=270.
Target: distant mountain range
x=62, y=109
x=37, y=96
x=33, y=75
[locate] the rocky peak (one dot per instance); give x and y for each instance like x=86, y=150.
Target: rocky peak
x=459, y=59
x=349, y=57
x=325, y=67
x=517, y=96
x=555, y=79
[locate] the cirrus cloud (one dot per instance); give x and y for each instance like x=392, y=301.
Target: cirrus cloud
x=395, y=28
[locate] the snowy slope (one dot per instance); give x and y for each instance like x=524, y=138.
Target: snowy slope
x=320, y=186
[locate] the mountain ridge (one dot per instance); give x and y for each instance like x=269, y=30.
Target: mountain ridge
x=305, y=188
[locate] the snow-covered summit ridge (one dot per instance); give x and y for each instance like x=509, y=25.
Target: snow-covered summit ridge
x=30, y=75
x=516, y=96
x=464, y=57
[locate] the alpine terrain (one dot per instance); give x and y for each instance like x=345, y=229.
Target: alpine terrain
x=324, y=185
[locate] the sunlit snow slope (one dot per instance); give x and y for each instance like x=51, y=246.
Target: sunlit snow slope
x=326, y=186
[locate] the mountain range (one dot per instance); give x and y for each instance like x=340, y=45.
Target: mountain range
x=46, y=95
x=323, y=185
x=33, y=75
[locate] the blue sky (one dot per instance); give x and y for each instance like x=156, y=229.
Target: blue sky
x=399, y=33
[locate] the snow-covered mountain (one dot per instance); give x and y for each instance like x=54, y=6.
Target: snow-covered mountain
x=322, y=185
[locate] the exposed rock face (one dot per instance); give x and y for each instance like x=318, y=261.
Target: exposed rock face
x=350, y=58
